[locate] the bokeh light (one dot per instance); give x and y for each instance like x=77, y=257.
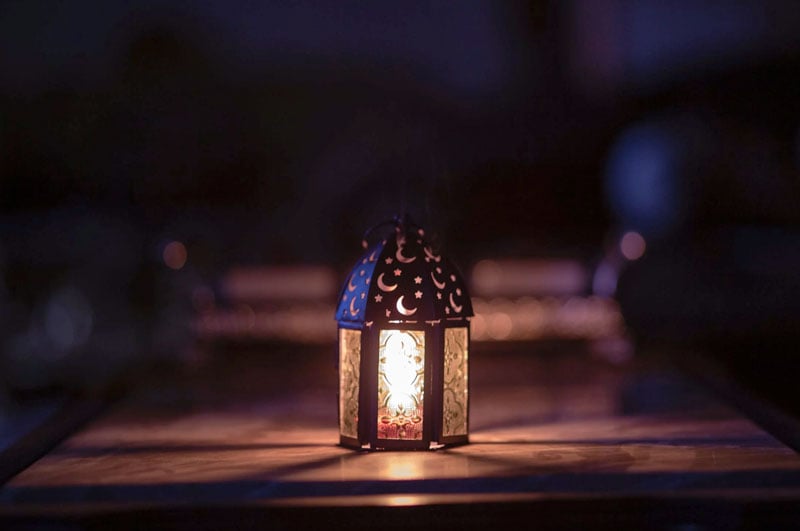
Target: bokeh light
x=632, y=245
x=174, y=255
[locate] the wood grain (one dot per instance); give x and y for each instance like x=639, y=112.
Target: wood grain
x=555, y=425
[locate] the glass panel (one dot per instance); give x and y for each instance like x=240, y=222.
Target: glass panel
x=401, y=382
x=349, y=363
x=456, y=351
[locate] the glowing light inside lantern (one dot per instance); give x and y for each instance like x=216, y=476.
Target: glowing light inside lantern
x=401, y=377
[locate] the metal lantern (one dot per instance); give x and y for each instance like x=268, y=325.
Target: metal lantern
x=403, y=347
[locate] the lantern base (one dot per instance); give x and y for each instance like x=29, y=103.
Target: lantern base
x=353, y=444
x=455, y=440
x=392, y=445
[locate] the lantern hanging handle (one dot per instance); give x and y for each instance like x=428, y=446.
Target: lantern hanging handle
x=400, y=223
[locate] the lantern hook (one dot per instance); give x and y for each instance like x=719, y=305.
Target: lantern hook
x=402, y=224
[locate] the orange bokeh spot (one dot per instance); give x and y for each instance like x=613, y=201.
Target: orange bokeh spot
x=174, y=255
x=632, y=245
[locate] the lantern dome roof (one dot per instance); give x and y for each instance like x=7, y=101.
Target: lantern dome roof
x=400, y=278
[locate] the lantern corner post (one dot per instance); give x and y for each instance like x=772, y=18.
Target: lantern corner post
x=434, y=377
x=368, y=397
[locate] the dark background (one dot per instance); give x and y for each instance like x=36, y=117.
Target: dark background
x=275, y=133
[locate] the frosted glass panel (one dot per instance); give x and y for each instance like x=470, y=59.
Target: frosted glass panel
x=401, y=382
x=349, y=362
x=456, y=352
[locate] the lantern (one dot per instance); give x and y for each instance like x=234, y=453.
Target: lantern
x=403, y=347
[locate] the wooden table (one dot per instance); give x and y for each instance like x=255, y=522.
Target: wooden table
x=558, y=439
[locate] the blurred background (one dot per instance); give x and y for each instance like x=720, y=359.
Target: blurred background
x=175, y=176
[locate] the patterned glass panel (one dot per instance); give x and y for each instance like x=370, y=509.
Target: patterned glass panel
x=349, y=363
x=456, y=352
x=401, y=382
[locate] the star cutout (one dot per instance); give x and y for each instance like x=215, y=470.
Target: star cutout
x=378, y=297
x=453, y=278
x=366, y=280
x=427, y=259
x=439, y=295
x=344, y=297
x=361, y=273
x=363, y=294
x=398, y=272
x=439, y=270
x=389, y=260
x=458, y=291
x=388, y=313
x=418, y=294
x=417, y=280
x=447, y=311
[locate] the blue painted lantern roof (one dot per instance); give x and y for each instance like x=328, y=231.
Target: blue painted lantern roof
x=401, y=279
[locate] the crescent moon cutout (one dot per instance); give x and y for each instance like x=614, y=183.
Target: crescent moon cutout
x=439, y=285
x=353, y=311
x=454, y=305
x=430, y=254
x=403, y=259
x=350, y=286
x=372, y=256
x=384, y=286
x=402, y=309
